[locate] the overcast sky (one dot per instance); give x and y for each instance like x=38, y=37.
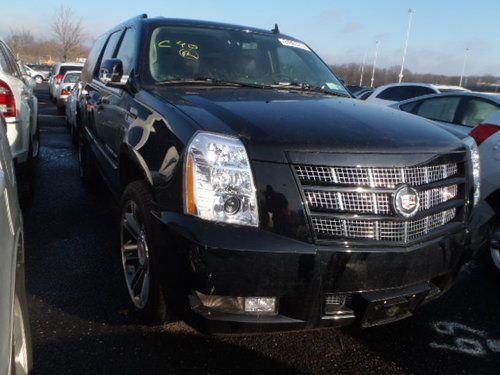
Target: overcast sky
x=340, y=31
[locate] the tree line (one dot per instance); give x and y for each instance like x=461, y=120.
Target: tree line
x=351, y=74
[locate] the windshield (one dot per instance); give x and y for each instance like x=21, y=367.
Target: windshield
x=66, y=68
x=191, y=53
x=72, y=77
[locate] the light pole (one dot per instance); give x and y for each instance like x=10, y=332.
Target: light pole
x=377, y=44
x=412, y=12
x=362, y=70
x=463, y=66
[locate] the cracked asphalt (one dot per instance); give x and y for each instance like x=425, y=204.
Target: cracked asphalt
x=81, y=322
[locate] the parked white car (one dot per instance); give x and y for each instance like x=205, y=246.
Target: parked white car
x=19, y=107
x=63, y=91
x=58, y=75
x=478, y=115
x=38, y=75
x=396, y=92
x=15, y=341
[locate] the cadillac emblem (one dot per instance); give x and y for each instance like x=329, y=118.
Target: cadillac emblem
x=406, y=201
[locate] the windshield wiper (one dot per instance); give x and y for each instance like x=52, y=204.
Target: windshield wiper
x=307, y=87
x=210, y=81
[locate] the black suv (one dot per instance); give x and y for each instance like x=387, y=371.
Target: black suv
x=256, y=194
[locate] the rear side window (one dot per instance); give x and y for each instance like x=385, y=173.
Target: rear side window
x=127, y=51
x=421, y=91
x=439, y=109
x=476, y=111
x=393, y=93
x=400, y=93
x=90, y=65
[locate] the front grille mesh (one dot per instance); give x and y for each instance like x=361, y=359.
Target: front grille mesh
x=352, y=192
x=376, y=177
x=377, y=203
x=393, y=231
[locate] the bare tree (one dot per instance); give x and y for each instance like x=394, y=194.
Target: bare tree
x=20, y=42
x=68, y=31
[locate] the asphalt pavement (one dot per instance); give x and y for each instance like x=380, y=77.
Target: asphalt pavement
x=81, y=322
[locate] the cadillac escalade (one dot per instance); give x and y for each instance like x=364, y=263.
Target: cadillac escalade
x=256, y=194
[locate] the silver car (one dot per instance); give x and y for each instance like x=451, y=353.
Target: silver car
x=478, y=115
x=63, y=91
x=58, y=74
x=15, y=341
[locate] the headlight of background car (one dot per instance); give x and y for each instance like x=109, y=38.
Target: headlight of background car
x=476, y=169
x=218, y=180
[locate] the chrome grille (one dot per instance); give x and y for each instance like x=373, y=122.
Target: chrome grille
x=394, y=231
x=356, y=192
x=377, y=203
x=376, y=177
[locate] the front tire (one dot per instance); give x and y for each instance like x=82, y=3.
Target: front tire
x=39, y=80
x=142, y=258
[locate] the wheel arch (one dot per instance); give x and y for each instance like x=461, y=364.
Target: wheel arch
x=132, y=167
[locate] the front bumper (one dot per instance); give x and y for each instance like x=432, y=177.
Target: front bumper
x=225, y=260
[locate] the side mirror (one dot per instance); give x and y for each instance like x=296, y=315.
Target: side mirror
x=111, y=72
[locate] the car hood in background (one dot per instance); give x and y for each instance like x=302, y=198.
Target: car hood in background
x=272, y=122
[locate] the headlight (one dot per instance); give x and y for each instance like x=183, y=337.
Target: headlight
x=473, y=156
x=218, y=180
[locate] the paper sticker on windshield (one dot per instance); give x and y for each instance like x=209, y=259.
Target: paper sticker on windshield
x=293, y=43
x=333, y=86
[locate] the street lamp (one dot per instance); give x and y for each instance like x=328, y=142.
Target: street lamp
x=362, y=70
x=412, y=12
x=463, y=66
x=377, y=44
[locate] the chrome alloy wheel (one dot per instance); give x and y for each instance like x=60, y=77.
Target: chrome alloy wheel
x=19, y=342
x=135, y=255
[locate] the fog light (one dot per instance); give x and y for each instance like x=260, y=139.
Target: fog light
x=260, y=305
x=250, y=305
x=222, y=303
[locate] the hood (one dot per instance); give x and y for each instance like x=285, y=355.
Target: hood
x=272, y=123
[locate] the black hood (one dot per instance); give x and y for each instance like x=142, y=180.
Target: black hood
x=272, y=122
